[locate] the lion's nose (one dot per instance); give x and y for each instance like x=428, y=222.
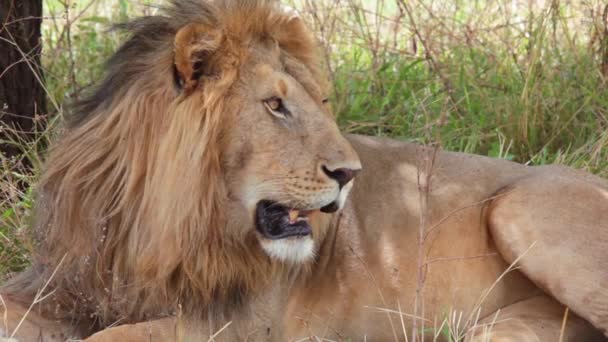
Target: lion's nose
x=341, y=175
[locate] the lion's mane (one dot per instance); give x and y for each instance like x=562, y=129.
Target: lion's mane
x=132, y=205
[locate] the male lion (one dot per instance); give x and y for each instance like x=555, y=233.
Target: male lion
x=202, y=189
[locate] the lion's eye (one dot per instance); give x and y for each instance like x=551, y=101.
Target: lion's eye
x=325, y=100
x=275, y=104
x=275, y=107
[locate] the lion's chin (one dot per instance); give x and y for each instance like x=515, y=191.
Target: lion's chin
x=292, y=250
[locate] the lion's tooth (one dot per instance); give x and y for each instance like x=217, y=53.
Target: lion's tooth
x=293, y=215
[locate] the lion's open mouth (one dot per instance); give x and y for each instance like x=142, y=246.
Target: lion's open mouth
x=276, y=221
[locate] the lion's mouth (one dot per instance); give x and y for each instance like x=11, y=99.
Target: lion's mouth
x=276, y=221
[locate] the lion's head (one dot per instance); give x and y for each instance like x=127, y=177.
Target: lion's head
x=207, y=155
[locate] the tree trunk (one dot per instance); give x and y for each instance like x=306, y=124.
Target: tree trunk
x=22, y=97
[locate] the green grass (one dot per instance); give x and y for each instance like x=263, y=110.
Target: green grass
x=537, y=98
x=555, y=116
x=469, y=77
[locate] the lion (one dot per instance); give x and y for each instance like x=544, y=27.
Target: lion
x=203, y=191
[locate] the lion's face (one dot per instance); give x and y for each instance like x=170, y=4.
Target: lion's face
x=207, y=147
x=288, y=161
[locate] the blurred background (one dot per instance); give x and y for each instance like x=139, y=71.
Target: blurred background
x=524, y=80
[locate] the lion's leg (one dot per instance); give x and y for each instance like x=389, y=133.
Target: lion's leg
x=175, y=329
x=25, y=326
x=557, y=225
x=537, y=319
x=166, y=329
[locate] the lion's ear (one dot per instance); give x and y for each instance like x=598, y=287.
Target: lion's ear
x=193, y=48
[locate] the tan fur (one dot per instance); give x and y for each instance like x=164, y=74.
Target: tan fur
x=147, y=203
